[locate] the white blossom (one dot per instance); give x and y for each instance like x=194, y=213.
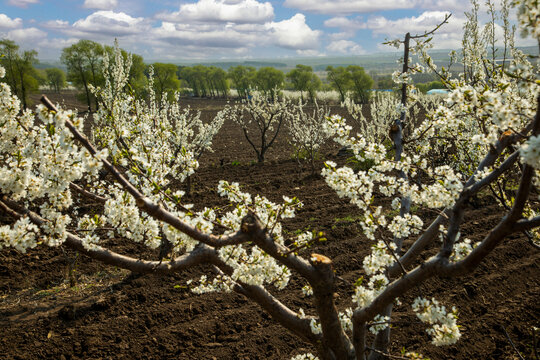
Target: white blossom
x=444, y=329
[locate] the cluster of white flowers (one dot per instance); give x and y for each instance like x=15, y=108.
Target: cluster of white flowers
x=384, y=110
x=379, y=259
x=404, y=226
x=529, y=17
x=38, y=161
x=345, y=318
x=401, y=77
x=121, y=212
x=254, y=267
x=380, y=323
x=444, y=330
x=315, y=327
x=308, y=356
x=314, y=324
x=21, y=236
x=461, y=249
x=322, y=96
x=251, y=265
x=359, y=186
x=218, y=284
x=364, y=295
x=307, y=290
x=155, y=141
x=530, y=152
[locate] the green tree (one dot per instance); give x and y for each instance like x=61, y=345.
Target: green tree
x=56, y=79
x=340, y=80
x=84, y=60
x=269, y=80
x=194, y=76
x=20, y=72
x=243, y=79
x=424, y=88
x=217, y=81
x=314, y=84
x=304, y=79
x=360, y=83
x=385, y=82
x=165, y=80
x=205, y=81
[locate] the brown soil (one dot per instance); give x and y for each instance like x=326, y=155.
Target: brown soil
x=111, y=314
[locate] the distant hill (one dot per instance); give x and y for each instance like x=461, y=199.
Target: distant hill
x=45, y=64
x=379, y=63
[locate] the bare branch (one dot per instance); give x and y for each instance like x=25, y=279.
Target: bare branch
x=512, y=343
x=494, y=175
x=253, y=228
x=272, y=305
x=80, y=190
x=524, y=225
x=446, y=17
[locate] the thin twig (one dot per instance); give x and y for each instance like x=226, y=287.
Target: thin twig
x=308, y=243
x=512, y=343
x=395, y=256
x=534, y=344
x=387, y=355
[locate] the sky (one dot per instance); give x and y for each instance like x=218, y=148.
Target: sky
x=174, y=30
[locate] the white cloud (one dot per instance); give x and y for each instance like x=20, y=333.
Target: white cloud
x=345, y=47
x=56, y=24
x=347, y=6
x=341, y=35
x=237, y=11
x=447, y=37
x=27, y=36
x=345, y=23
x=344, y=7
x=309, y=53
x=108, y=23
x=100, y=4
x=415, y=24
x=7, y=23
x=218, y=37
x=294, y=33
x=454, y=6
x=22, y=3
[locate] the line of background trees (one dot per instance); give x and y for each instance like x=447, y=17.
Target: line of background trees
x=84, y=64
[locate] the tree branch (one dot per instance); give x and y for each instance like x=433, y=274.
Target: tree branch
x=334, y=336
x=446, y=17
x=524, y=225
x=280, y=312
x=201, y=254
x=89, y=195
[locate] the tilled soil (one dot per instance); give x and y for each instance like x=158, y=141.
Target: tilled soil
x=108, y=313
